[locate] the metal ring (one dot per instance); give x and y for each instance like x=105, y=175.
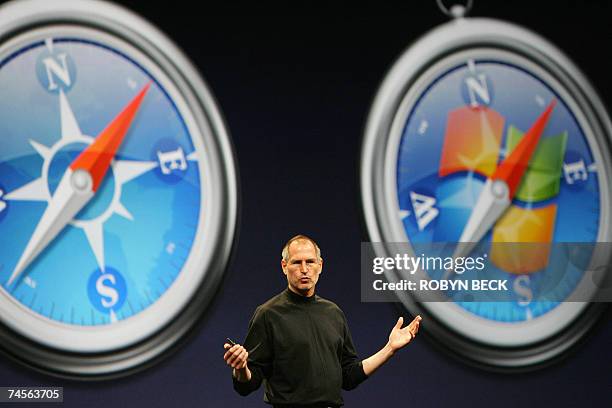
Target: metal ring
x=456, y=11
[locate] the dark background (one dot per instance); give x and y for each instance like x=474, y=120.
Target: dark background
x=295, y=84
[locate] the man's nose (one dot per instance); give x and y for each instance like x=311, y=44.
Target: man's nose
x=303, y=267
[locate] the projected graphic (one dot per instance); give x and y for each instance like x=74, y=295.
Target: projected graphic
x=117, y=201
x=484, y=140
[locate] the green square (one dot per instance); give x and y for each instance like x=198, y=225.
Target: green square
x=543, y=176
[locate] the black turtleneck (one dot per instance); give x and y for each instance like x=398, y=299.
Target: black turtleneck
x=302, y=348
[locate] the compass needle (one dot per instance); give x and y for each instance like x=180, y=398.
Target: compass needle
x=79, y=183
x=501, y=187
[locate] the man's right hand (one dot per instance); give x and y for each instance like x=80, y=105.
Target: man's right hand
x=236, y=357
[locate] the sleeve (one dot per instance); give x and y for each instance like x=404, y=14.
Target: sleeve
x=258, y=345
x=352, y=369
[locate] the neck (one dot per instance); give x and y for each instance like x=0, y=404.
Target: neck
x=308, y=294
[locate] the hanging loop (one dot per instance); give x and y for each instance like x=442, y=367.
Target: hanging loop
x=457, y=10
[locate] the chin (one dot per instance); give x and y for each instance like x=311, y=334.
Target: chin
x=304, y=288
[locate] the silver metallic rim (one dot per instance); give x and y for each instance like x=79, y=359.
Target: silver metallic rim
x=116, y=352
x=377, y=182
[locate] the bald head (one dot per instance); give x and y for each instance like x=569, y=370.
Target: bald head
x=299, y=240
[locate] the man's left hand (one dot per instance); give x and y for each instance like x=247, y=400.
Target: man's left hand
x=397, y=339
x=400, y=337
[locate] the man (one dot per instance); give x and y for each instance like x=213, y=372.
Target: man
x=300, y=344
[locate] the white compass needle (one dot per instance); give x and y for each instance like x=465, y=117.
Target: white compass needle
x=72, y=194
x=491, y=204
x=79, y=184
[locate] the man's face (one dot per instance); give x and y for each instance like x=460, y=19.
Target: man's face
x=302, y=268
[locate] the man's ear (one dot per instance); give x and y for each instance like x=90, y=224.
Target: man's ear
x=321, y=268
x=284, y=266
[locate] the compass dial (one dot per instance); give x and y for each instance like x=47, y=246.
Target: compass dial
x=485, y=144
x=117, y=188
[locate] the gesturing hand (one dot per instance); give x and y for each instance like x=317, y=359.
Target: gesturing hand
x=400, y=337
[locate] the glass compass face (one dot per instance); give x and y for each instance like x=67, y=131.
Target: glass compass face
x=438, y=137
x=442, y=170
x=117, y=191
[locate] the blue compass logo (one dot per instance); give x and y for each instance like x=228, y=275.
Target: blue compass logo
x=118, y=189
x=97, y=254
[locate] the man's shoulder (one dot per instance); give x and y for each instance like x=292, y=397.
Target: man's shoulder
x=274, y=303
x=328, y=304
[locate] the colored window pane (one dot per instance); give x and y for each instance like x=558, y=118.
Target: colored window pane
x=518, y=224
x=543, y=176
x=472, y=141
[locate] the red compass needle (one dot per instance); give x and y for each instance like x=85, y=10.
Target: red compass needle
x=79, y=184
x=97, y=157
x=512, y=168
